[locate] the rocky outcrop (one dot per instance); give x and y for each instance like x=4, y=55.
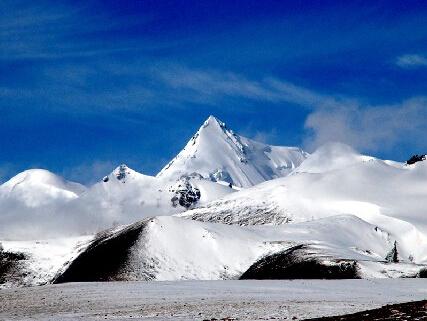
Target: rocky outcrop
x=11, y=270
x=415, y=158
x=186, y=195
x=297, y=263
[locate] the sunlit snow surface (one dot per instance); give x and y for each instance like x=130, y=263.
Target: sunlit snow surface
x=185, y=249
x=43, y=258
x=335, y=181
x=216, y=151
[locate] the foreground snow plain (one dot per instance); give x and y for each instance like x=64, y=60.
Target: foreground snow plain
x=199, y=300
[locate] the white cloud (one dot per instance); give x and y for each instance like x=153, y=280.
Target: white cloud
x=330, y=118
x=409, y=61
x=369, y=128
x=44, y=31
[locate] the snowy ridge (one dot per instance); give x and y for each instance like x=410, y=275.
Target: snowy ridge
x=387, y=194
x=37, y=203
x=219, y=154
x=208, y=251
x=157, y=249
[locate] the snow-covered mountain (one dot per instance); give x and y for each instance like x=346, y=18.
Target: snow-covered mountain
x=39, y=203
x=33, y=204
x=285, y=214
x=126, y=196
x=347, y=215
x=37, y=187
x=219, y=154
x=335, y=180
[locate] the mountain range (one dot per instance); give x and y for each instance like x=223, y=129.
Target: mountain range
x=225, y=207
x=214, y=163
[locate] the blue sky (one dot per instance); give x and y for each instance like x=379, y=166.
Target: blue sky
x=87, y=85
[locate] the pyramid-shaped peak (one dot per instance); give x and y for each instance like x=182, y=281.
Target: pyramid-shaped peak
x=217, y=153
x=212, y=120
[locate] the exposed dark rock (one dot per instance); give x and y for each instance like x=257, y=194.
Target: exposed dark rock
x=10, y=266
x=106, y=258
x=105, y=179
x=416, y=158
x=122, y=172
x=296, y=263
x=402, y=311
x=422, y=273
x=186, y=194
x=220, y=175
x=193, y=175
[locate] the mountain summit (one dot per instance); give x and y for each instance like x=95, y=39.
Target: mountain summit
x=217, y=153
x=36, y=187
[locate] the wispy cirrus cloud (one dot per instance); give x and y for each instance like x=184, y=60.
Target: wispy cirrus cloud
x=212, y=85
x=329, y=117
x=411, y=61
x=45, y=31
x=349, y=120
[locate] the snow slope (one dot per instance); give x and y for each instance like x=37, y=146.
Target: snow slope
x=33, y=205
x=171, y=248
x=42, y=259
x=336, y=180
x=37, y=187
x=219, y=154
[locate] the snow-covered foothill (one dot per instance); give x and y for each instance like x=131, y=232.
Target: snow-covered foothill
x=171, y=248
x=37, y=262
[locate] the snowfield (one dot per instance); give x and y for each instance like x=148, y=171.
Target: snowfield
x=201, y=300
x=335, y=180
